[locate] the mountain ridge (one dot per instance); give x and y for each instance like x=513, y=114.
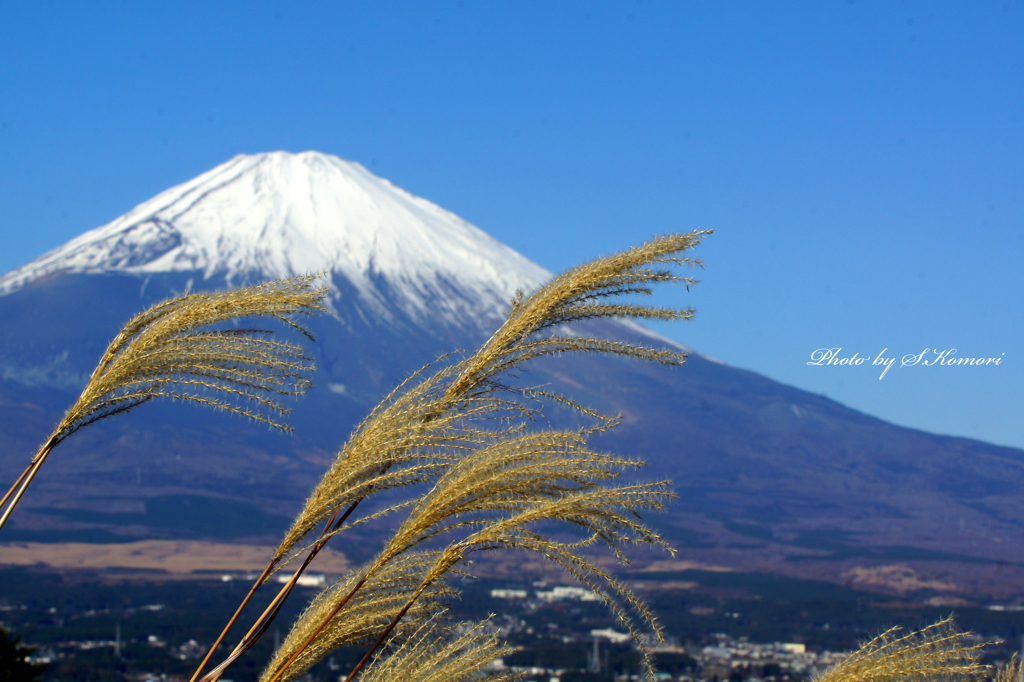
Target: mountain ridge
x=767, y=474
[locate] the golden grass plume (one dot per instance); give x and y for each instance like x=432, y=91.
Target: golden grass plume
x=171, y=351
x=1011, y=672
x=937, y=652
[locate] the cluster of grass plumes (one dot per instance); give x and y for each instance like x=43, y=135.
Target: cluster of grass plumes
x=491, y=499
x=938, y=652
x=171, y=351
x=424, y=424
x=461, y=429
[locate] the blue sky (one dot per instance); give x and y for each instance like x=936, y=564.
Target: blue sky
x=860, y=162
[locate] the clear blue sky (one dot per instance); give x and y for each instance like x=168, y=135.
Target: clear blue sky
x=860, y=162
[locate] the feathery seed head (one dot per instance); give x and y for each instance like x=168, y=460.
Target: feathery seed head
x=1011, y=672
x=937, y=652
x=163, y=353
x=171, y=351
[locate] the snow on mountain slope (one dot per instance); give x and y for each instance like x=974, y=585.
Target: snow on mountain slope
x=277, y=215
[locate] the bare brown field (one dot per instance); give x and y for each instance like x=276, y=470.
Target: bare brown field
x=172, y=556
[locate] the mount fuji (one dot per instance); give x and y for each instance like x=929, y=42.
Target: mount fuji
x=768, y=476
x=278, y=215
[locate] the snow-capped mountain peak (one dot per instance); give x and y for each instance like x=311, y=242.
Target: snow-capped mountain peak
x=277, y=215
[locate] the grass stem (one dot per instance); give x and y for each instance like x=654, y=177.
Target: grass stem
x=383, y=635
x=25, y=479
x=252, y=590
x=259, y=627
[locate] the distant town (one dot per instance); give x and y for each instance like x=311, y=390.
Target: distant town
x=718, y=627
x=723, y=659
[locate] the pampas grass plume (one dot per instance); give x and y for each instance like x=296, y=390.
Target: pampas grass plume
x=176, y=350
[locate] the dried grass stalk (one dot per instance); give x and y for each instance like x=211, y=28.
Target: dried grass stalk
x=938, y=652
x=170, y=351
